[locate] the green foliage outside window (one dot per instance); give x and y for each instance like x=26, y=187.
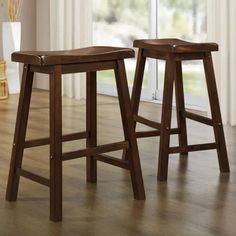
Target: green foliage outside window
x=119, y=22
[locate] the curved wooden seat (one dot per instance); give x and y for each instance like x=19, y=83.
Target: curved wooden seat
x=74, y=56
x=175, y=45
x=174, y=52
x=56, y=63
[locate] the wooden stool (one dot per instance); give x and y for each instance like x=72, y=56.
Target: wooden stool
x=174, y=51
x=89, y=60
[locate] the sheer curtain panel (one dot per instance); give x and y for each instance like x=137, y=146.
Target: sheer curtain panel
x=71, y=27
x=221, y=29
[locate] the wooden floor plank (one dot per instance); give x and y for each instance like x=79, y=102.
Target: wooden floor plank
x=196, y=200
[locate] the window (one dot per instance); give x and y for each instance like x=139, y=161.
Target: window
x=186, y=20
x=118, y=23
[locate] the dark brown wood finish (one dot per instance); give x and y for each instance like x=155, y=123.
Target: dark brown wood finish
x=198, y=118
x=20, y=133
x=174, y=51
x=173, y=45
x=46, y=141
x=91, y=124
x=147, y=122
x=129, y=131
x=137, y=88
x=193, y=148
x=95, y=150
x=113, y=161
x=144, y=134
x=75, y=56
x=215, y=112
x=197, y=200
x=180, y=106
x=178, y=56
x=166, y=118
x=74, y=68
x=138, y=81
x=31, y=176
x=55, y=64
x=55, y=145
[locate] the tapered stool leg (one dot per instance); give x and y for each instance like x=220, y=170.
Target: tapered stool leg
x=216, y=114
x=20, y=133
x=55, y=145
x=180, y=106
x=88, y=60
x=166, y=119
x=91, y=124
x=138, y=81
x=137, y=88
x=129, y=132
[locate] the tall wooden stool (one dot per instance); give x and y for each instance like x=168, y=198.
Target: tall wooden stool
x=89, y=60
x=174, y=51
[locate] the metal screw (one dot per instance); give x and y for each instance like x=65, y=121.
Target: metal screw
x=167, y=128
x=51, y=157
x=14, y=144
x=219, y=124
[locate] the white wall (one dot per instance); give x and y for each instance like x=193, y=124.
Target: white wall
x=35, y=19
x=42, y=36
x=28, y=20
x=35, y=29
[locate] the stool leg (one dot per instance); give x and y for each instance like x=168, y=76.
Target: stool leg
x=137, y=88
x=129, y=132
x=170, y=71
x=91, y=124
x=180, y=106
x=216, y=114
x=138, y=81
x=55, y=145
x=20, y=133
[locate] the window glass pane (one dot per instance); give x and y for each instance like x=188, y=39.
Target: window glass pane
x=186, y=20
x=118, y=23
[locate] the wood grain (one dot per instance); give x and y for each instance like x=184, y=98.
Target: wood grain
x=196, y=200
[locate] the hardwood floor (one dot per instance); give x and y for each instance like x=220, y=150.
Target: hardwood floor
x=196, y=200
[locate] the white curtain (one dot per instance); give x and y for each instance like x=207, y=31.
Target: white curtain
x=71, y=27
x=221, y=29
